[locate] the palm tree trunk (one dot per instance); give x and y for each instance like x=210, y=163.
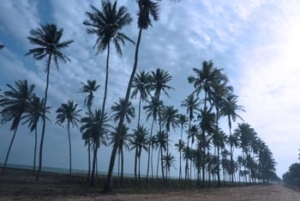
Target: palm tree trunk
x=9, y=148
x=135, y=162
x=92, y=181
x=108, y=185
x=149, y=153
x=122, y=166
x=89, y=160
x=161, y=162
x=70, y=151
x=106, y=80
x=44, y=119
x=157, y=167
x=35, y=147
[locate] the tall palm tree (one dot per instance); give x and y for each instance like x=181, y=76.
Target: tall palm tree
x=168, y=161
x=107, y=24
x=192, y=133
x=47, y=40
x=98, y=126
x=192, y=104
x=162, y=141
x=147, y=8
x=152, y=111
x=139, y=141
x=207, y=125
x=15, y=103
x=68, y=112
x=233, y=141
x=182, y=120
x=123, y=144
x=32, y=116
x=180, y=146
x=141, y=85
x=169, y=119
x=229, y=109
x=90, y=88
x=119, y=108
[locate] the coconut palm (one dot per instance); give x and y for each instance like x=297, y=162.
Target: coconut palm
x=47, y=40
x=162, y=141
x=119, y=108
x=233, y=141
x=90, y=88
x=32, y=116
x=182, y=120
x=192, y=133
x=180, y=146
x=68, y=113
x=168, y=161
x=123, y=144
x=169, y=119
x=139, y=141
x=141, y=85
x=147, y=8
x=107, y=24
x=152, y=111
x=15, y=102
x=229, y=109
x=98, y=126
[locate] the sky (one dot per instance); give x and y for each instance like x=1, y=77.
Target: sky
x=256, y=42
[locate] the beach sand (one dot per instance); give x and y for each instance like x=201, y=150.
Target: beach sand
x=20, y=185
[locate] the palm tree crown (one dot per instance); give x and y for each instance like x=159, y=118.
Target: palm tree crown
x=106, y=24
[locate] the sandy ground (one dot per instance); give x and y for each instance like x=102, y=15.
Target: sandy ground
x=19, y=185
x=254, y=193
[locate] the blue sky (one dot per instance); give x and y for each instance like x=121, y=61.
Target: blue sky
x=256, y=42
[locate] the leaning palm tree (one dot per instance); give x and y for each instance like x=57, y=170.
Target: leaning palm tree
x=96, y=125
x=68, y=112
x=147, y=8
x=47, y=40
x=90, y=88
x=107, y=24
x=32, y=116
x=15, y=102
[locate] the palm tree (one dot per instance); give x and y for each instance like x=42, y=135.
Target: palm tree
x=182, y=120
x=47, y=38
x=152, y=111
x=229, y=109
x=168, y=161
x=207, y=125
x=146, y=8
x=98, y=126
x=15, y=103
x=162, y=141
x=32, y=116
x=123, y=144
x=68, y=112
x=180, y=146
x=119, y=108
x=141, y=85
x=90, y=88
x=192, y=104
x=169, y=118
x=233, y=141
x=107, y=25
x=193, y=133
x=139, y=142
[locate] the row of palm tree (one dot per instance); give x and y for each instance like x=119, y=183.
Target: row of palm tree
x=211, y=91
